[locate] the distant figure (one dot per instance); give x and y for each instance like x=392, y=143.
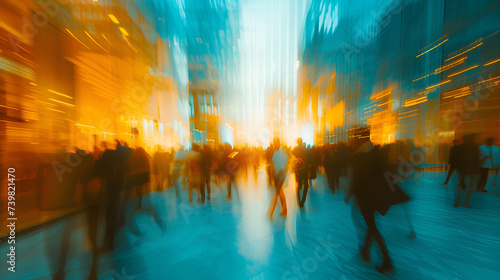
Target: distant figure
x=333, y=167
x=195, y=173
x=268, y=157
x=111, y=168
x=279, y=163
x=84, y=173
x=303, y=160
x=229, y=166
x=93, y=202
x=161, y=167
x=488, y=155
x=206, y=169
x=314, y=165
x=179, y=161
x=328, y=165
x=453, y=161
x=140, y=173
x=468, y=167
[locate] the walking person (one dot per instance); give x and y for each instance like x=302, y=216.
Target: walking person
x=268, y=157
x=206, y=167
x=487, y=157
x=468, y=167
x=160, y=167
x=453, y=160
x=314, y=166
x=367, y=184
x=113, y=169
x=195, y=173
x=83, y=175
x=228, y=167
x=141, y=170
x=329, y=166
x=177, y=169
x=336, y=167
x=279, y=163
x=301, y=169
x=92, y=200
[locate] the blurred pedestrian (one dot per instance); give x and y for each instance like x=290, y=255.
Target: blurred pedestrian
x=178, y=168
x=279, y=164
x=488, y=157
x=195, y=172
x=206, y=170
x=301, y=168
x=160, y=167
x=453, y=160
x=140, y=173
x=371, y=190
x=468, y=167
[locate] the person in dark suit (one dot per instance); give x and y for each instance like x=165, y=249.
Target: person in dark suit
x=303, y=157
x=468, y=167
x=453, y=160
x=206, y=169
x=113, y=167
x=161, y=167
x=487, y=160
x=313, y=170
x=367, y=186
x=229, y=166
x=330, y=167
x=195, y=173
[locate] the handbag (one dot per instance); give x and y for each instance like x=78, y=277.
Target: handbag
x=387, y=196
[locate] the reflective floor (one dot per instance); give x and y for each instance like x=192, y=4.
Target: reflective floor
x=236, y=240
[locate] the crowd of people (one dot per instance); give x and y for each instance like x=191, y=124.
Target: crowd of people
x=111, y=175
x=473, y=164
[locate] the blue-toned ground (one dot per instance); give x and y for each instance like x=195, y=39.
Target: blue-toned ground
x=236, y=240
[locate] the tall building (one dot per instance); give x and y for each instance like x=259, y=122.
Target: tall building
x=406, y=69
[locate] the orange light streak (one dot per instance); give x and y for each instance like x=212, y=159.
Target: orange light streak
x=442, y=83
x=95, y=41
x=432, y=48
x=465, y=51
x=422, y=78
x=412, y=102
x=113, y=18
x=84, y=125
x=124, y=31
x=432, y=43
x=128, y=42
x=56, y=110
x=456, y=92
x=385, y=103
x=426, y=91
x=108, y=41
x=450, y=65
x=382, y=93
x=491, y=62
x=77, y=38
x=58, y=93
x=64, y=103
x=465, y=70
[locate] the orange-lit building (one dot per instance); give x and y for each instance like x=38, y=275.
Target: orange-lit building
x=92, y=71
x=75, y=73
